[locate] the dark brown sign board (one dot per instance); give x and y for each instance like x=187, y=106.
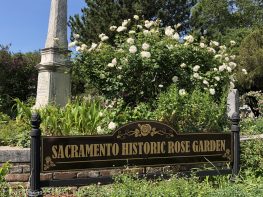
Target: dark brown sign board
x=141, y=143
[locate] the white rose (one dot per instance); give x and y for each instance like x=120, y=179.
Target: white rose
x=196, y=68
x=113, y=28
x=169, y=31
x=217, y=56
x=205, y=82
x=182, y=92
x=232, y=43
x=133, y=49
x=112, y=126
x=148, y=24
x=130, y=41
x=145, y=54
x=211, y=50
x=132, y=32
x=102, y=76
x=114, y=61
x=139, y=26
x=146, y=32
x=227, y=59
x=228, y=69
x=111, y=65
x=72, y=44
x=244, y=71
x=121, y=28
x=215, y=69
x=183, y=65
x=176, y=36
x=212, y=91
x=100, y=130
x=145, y=46
x=78, y=48
x=124, y=23
x=136, y=17
x=196, y=75
x=217, y=78
x=202, y=45
x=189, y=38
x=175, y=79
x=233, y=57
x=104, y=38
x=76, y=36
x=160, y=86
x=222, y=68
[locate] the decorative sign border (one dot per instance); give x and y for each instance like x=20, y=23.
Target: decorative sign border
x=141, y=143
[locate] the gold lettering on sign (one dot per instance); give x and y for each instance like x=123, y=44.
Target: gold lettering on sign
x=209, y=146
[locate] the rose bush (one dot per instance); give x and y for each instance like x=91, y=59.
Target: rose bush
x=146, y=59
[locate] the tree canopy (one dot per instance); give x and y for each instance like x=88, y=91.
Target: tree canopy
x=99, y=15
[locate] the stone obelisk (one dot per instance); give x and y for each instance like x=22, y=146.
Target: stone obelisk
x=54, y=84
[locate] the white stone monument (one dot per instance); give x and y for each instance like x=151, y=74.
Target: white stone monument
x=54, y=84
x=232, y=102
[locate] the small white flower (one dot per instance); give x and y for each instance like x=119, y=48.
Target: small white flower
x=100, y=114
x=93, y=45
x=113, y=28
x=196, y=75
x=182, y=92
x=145, y=54
x=232, y=85
x=101, y=35
x=146, y=32
x=212, y=91
x=160, y=86
x=233, y=57
x=84, y=47
x=189, y=38
x=124, y=23
x=218, y=56
x=130, y=41
x=139, y=26
x=78, y=48
x=215, y=69
x=205, y=82
x=176, y=36
x=112, y=126
x=76, y=36
x=223, y=47
x=175, y=79
x=133, y=49
x=202, y=45
x=100, y=130
x=229, y=69
x=102, y=76
x=136, y=17
x=232, y=65
x=121, y=28
x=169, y=31
x=148, y=24
x=214, y=43
x=232, y=43
x=217, y=78
x=145, y=46
x=72, y=44
x=183, y=65
x=114, y=61
x=244, y=71
x=196, y=68
x=111, y=65
x=132, y=32
x=211, y=50
x=227, y=59
x=104, y=38
x=222, y=68
x=178, y=25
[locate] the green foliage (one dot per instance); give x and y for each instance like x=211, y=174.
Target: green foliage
x=251, y=58
x=221, y=17
x=155, y=58
x=195, y=112
x=18, y=77
x=97, y=16
x=252, y=157
x=251, y=126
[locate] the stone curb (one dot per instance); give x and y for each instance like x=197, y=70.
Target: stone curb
x=14, y=154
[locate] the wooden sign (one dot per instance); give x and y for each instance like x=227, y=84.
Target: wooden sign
x=142, y=143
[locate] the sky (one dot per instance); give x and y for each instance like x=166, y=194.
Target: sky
x=24, y=23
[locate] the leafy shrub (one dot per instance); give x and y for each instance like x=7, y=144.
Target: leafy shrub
x=195, y=112
x=147, y=60
x=250, y=126
x=252, y=156
x=18, y=77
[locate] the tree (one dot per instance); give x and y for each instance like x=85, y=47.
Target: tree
x=18, y=76
x=251, y=58
x=215, y=18
x=99, y=15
